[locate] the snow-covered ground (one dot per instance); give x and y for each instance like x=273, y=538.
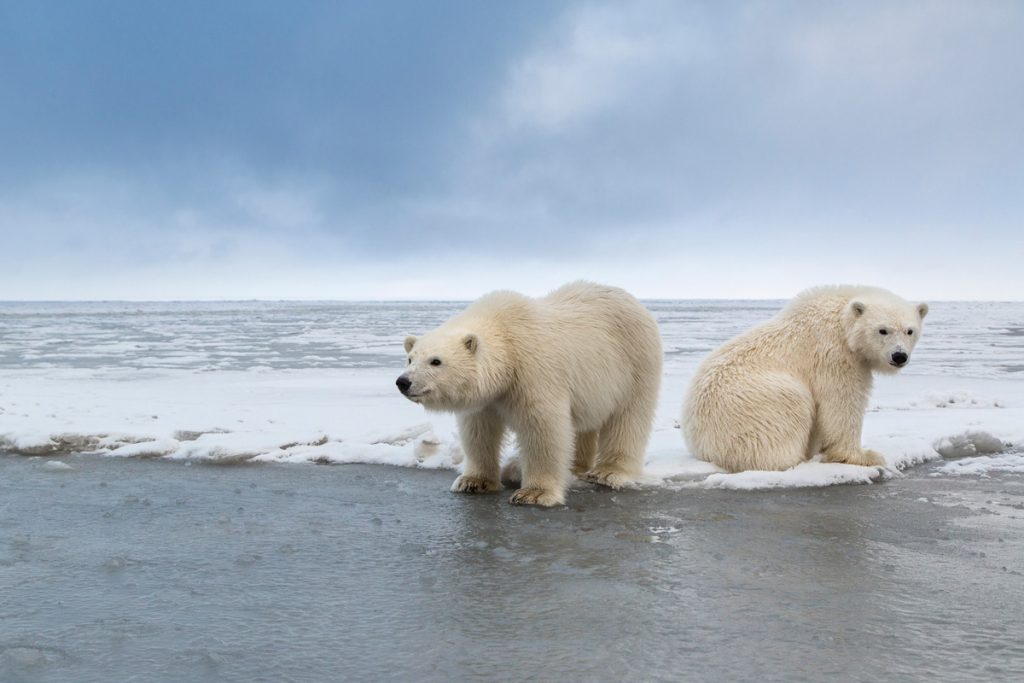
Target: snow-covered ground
x=314, y=382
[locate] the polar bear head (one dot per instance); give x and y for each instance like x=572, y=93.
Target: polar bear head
x=449, y=370
x=882, y=329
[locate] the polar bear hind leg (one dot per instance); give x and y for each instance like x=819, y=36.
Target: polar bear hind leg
x=622, y=443
x=586, y=452
x=765, y=424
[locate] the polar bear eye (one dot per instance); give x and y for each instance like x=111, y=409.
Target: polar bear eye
x=435, y=361
x=910, y=332
x=883, y=331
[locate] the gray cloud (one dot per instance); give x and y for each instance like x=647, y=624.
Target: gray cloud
x=674, y=147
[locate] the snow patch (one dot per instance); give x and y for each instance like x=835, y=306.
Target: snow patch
x=947, y=399
x=355, y=415
x=145, y=449
x=984, y=465
x=808, y=474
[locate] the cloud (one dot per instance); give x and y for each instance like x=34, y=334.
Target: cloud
x=696, y=127
x=674, y=147
x=597, y=58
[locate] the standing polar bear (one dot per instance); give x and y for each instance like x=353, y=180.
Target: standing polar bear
x=574, y=374
x=798, y=384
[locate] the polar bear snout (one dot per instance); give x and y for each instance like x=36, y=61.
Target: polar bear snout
x=403, y=383
x=899, y=359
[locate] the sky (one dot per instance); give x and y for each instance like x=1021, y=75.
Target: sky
x=421, y=150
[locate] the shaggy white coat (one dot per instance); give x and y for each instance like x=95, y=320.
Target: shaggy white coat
x=798, y=385
x=574, y=374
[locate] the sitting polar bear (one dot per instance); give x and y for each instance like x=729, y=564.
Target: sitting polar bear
x=574, y=374
x=798, y=384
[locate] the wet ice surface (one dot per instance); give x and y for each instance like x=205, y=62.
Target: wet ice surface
x=148, y=570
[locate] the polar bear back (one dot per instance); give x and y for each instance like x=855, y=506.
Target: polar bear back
x=594, y=343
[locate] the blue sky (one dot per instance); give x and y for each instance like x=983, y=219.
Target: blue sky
x=156, y=150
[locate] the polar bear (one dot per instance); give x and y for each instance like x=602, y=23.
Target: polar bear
x=574, y=374
x=798, y=384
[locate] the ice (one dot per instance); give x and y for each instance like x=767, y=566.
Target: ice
x=983, y=465
x=806, y=474
x=404, y=436
x=43, y=443
x=968, y=444
x=146, y=449
x=313, y=382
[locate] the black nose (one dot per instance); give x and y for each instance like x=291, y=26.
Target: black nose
x=403, y=383
x=900, y=358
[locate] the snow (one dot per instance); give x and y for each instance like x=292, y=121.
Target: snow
x=983, y=465
x=211, y=385
x=806, y=474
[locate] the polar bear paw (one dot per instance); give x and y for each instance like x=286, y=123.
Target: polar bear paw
x=870, y=458
x=536, y=497
x=467, y=483
x=613, y=479
x=865, y=458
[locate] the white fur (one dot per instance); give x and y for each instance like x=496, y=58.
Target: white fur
x=799, y=384
x=574, y=374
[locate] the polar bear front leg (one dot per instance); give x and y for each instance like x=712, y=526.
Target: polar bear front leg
x=546, y=443
x=840, y=421
x=481, y=434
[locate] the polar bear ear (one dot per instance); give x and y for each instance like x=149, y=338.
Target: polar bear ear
x=410, y=342
x=922, y=310
x=471, y=342
x=858, y=308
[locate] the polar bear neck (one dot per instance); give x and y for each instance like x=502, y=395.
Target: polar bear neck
x=817, y=314
x=494, y=321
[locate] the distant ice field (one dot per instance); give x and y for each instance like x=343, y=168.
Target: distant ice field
x=301, y=382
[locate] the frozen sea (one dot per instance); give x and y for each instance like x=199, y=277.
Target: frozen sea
x=161, y=518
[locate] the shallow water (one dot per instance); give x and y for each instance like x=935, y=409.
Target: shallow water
x=144, y=570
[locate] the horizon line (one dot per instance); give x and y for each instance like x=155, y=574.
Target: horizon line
x=412, y=301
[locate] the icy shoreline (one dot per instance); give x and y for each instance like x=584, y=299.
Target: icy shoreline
x=313, y=382
x=351, y=415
